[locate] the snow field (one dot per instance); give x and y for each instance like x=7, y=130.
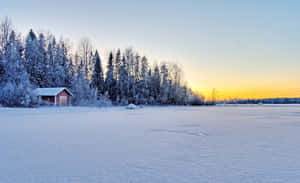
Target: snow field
x=152, y=144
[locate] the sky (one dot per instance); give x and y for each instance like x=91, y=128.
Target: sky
x=243, y=49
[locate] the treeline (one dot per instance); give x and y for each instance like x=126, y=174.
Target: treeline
x=264, y=101
x=40, y=61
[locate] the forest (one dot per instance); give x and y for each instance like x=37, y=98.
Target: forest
x=40, y=60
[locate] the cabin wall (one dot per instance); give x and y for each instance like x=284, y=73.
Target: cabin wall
x=63, y=93
x=48, y=99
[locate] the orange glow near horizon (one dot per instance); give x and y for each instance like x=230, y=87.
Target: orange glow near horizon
x=233, y=83
x=251, y=91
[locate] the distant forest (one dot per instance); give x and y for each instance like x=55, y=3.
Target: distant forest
x=263, y=101
x=42, y=61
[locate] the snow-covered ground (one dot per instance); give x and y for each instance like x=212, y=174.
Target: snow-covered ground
x=231, y=144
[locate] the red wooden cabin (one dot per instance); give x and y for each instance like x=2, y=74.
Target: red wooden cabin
x=54, y=96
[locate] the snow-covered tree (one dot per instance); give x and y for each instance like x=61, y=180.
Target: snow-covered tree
x=67, y=65
x=150, y=98
x=143, y=84
x=83, y=93
x=31, y=58
x=62, y=66
x=110, y=83
x=1, y=65
x=164, y=91
x=50, y=73
x=97, y=77
x=44, y=62
x=155, y=84
x=15, y=87
x=117, y=69
x=5, y=30
x=85, y=52
x=124, y=82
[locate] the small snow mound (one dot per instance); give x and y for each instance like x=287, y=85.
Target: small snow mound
x=131, y=106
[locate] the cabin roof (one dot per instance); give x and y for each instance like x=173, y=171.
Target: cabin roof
x=50, y=91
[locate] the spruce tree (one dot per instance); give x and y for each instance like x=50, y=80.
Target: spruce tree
x=117, y=69
x=31, y=58
x=155, y=86
x=164, y=91
x=97, y=76
x=144, y=89
x=16, y=89
x=124, y=82
x=1, y=65
x=110, y=82
x=83, y=93
x=41, y=65
x=50, y=61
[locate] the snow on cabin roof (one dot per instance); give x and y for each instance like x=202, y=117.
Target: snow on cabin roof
x=50, y=91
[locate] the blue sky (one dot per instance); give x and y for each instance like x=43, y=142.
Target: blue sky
x=234, y=46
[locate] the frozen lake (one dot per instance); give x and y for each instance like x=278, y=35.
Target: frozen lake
x=219, y=144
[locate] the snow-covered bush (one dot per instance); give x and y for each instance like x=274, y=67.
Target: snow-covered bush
x=12, y=95
x=131, y=106
x=103, y=100
x=196, y=99
x=83, y=95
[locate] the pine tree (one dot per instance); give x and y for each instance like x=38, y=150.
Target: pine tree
x=83, y=93
x=67, y=65
x=150, y=99
x=32, y=58
x=164, y=91
x=1, y=65
x=117, y=69
x=97, y=77
x=58, y=67
x=50, y=73
x=131, y=76
x=155, y=84
x=110, y=82
x=124, y=82
x=137, y=96
x=16, y=89
x=144, y=89
x=41, y=65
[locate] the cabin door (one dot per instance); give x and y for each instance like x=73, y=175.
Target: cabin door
x=63, y=100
